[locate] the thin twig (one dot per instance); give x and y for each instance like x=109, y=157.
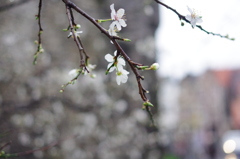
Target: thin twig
x=7, y=155
x=83, y=62
x=148, y=109
x=5, y=145
x=86, y=55
x=39, y=42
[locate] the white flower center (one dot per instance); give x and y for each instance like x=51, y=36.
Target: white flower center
x=116, y=18
x=194, y=15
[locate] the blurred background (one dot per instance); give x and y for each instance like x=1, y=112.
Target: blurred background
x=200, y=80
x=196, y=92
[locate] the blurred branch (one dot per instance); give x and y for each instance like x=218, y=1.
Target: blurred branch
x=13, y=4
x=5, y=145
x=8, y=107
x=76, y=38
x=39, y=42
x=9, y=155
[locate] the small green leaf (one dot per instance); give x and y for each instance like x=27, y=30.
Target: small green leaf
x=147, y=103
x=126, y=40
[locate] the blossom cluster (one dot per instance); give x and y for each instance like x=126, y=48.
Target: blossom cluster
x=76, y=72
x=117, y=63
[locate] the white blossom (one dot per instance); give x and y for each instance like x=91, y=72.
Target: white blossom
x=112, y=30
x=122, y=76
x=118, y=17
x=75, y=32
x=73, y=72
x=90, y=68
x=118, y=64
x=193, y=17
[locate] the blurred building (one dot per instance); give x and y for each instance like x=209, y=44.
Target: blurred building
x=198, y=110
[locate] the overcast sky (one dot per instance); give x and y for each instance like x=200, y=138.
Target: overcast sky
x=185, y=50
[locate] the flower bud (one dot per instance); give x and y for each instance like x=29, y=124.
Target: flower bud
x=147, y=103
x=78, y=26
x=126, y=40
x=93, y=75
x=154, y=66
x=41, y=50
x=2, y=153
x=35, y=42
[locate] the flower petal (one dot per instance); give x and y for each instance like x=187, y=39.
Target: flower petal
x=78, y=32
x=118, y=79
x=73, y=72
x=120, y=13
x=112, y=32
x=111, y=69
x=193, y=22
x=190, y=10
x=124, y=78
x=119, y=67
x=199, y=20
x=113, y=15
x=115, y=53
x=70, y=34
x=121, y=61
x=118, y=25
x=112, y=25
x=112, y=6
x=109, y=65
x=122, y=22
x=188, y=17
x=109, y=58
x=125, y=72
x=113, y=12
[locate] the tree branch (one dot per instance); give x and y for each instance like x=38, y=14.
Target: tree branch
x=133, y=65
x=8, y=155
x=39, y=42
x=181, y=17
